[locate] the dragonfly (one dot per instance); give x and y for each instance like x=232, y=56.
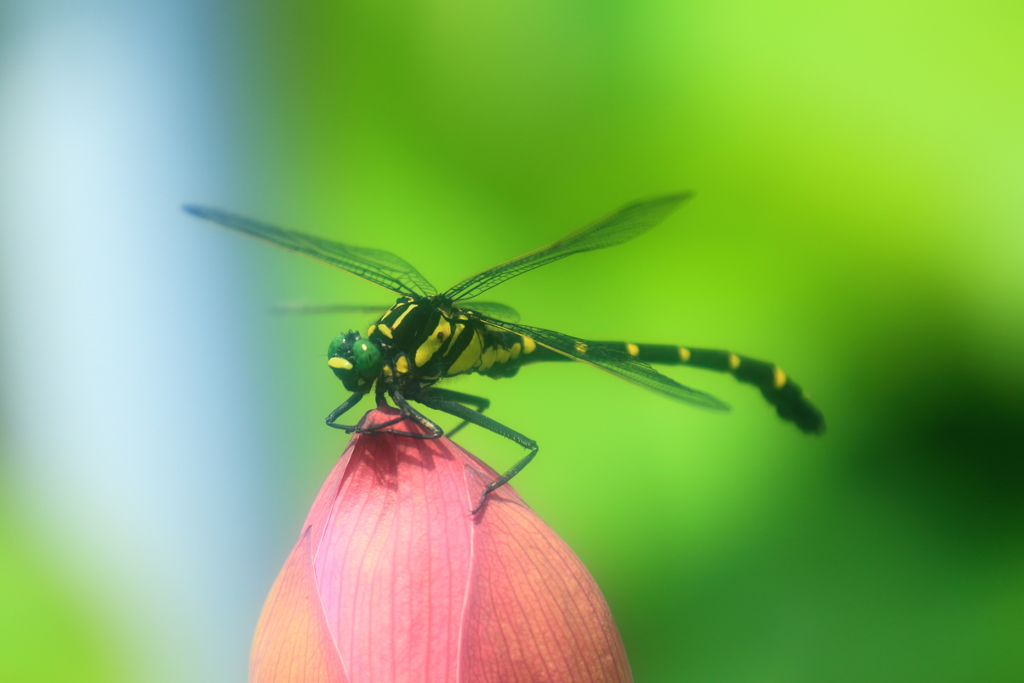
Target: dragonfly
x=426, y=336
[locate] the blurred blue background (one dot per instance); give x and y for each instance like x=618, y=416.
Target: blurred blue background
x=859, y=180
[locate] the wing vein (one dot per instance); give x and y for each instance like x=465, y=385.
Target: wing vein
x=618, y=227
x=374, y=265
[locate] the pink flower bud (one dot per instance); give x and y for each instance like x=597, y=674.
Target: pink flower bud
x=392, y=581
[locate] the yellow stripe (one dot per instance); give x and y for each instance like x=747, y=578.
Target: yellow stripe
x=734, y=361
x=633, y=349
x=402, y=364
x=684, y=354
x=529, y=346
x=780, y=378
x=369, y=332
x=513, y=353
x=428, y=348
x=459, y=327
x=402, y=317
x=469, y=356
x=339, y=363
x=385, y=330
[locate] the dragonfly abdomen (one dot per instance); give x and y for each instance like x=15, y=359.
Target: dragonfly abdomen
x=492, y=352
x=782, y=392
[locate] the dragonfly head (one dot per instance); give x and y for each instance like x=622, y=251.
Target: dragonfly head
x=355, y=361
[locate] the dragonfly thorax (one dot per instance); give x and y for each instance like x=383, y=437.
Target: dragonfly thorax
x=424, y=339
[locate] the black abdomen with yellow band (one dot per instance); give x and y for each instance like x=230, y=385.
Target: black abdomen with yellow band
x=786, y=395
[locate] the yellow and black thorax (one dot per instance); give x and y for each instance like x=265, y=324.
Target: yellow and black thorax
x=424, y=339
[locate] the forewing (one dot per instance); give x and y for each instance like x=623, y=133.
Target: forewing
x=303, y=308
x=491, y=309
x=379, y=267
x=614, y=361
x=623, y=225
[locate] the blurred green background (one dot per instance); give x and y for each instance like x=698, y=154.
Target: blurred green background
x=858, y=171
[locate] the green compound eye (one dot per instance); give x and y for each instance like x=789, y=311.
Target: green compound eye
x=367, y=358
x=355, y=361
x=332, y=350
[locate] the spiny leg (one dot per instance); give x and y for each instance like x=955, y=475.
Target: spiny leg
x=349, y=403
x=382, y=396
x=386, y=386
x=408, y=411
x=479, y=402
x=433, y=431
x=481, y=420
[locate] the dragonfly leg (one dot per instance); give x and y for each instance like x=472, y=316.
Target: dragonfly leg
x=408, y=412
x=479, y=402
x=382, y=396
x=381, y=427
x=431, y=400
x=350, y=402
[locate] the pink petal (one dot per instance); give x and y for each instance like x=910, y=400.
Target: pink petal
x=414, y=590
x=292, y=643
x=534, y=613
x=394, y=556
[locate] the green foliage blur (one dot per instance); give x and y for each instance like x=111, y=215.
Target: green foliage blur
x=858, y=171
x=48, y=632
x=858, y=218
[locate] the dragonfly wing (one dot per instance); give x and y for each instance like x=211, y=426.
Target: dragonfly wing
x=491, y=309
x=379, y=267
x=612, y=360
x=303, y=308
x=623, y=225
